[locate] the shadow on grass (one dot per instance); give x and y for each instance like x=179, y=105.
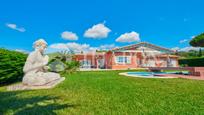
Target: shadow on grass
x=13, y=103
x=12, y=81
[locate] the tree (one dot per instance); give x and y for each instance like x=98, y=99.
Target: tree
x=64, y=62
x=200, y=52
x=198, y=41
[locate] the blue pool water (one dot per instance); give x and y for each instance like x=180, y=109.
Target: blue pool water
x=152, y=74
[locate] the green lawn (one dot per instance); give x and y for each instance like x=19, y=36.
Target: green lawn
x=108, y=93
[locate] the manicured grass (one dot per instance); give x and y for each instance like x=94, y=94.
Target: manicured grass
x=108, y=93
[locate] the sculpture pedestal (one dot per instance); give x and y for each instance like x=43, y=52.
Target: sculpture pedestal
x=22, y=86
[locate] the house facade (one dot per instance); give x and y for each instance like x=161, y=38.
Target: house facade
x=139, y=55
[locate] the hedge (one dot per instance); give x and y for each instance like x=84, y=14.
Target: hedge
x=11, y=66
x=192, y=62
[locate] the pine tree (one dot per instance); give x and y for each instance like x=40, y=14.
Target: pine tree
x=200, y=53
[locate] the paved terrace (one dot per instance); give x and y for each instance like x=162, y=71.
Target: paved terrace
x=196, y=73
x=186, y=76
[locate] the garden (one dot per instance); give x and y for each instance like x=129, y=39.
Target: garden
x=106, y=92
x=98, y=92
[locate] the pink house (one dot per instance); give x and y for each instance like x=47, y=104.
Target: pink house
x=138, y=55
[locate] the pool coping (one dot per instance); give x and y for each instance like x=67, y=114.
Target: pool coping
x=166, y=76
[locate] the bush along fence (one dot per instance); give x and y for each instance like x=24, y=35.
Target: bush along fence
x=11, y=66
x=192, y=62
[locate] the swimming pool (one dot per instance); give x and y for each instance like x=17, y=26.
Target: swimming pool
x=150, y=74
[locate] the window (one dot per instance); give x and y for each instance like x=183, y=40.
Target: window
x=123, y=59
x=85, y=63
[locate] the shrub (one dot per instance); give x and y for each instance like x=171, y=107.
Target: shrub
x=11, y=66
x=63, y=62
x=71, y=66
x=192, y=62
x=55, y=65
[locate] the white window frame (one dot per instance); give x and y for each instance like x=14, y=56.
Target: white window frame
x=128, y=58
x=85, y=63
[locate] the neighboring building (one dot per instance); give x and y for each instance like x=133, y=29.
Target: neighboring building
x=133, y=56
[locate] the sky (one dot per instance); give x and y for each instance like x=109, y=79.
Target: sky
x=99, y=24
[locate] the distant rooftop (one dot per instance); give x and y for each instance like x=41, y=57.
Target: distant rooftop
x=144, y=44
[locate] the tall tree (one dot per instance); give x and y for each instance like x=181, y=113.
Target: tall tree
x=200, y=52
x=198, y=41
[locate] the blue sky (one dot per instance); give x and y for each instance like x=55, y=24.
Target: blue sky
x=168, y=23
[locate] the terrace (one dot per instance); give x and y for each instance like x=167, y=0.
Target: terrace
x=194, y=72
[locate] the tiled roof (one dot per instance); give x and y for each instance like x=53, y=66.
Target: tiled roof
x=144, y=44
x=94, y=53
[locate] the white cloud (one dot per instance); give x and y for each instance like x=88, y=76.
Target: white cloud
x=15, y=27
x=175, y=48
x=128, y=37
x=61, y=46
x=186, y=49
x=107, y=46
x=77, y=48
x=183, y=41
x=69, y=35
x=97, y=31
x=22, y=51
x=193, y=37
